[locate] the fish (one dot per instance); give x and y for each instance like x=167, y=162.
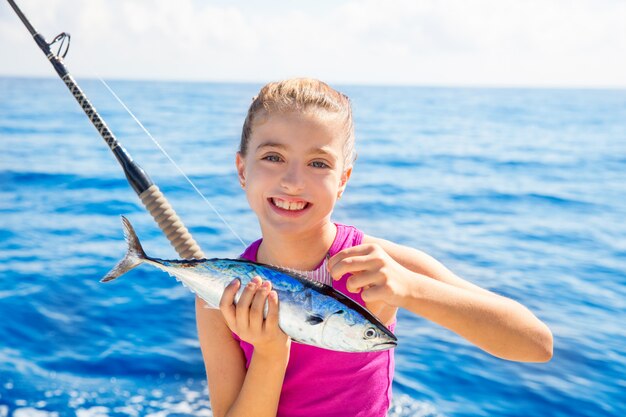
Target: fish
x=309, y=312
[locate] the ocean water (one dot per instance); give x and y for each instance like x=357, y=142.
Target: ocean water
x=521, y=191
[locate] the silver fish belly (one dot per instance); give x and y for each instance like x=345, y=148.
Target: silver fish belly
x=309, y=312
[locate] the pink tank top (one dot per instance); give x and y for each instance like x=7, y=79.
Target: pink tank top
x=325, y=383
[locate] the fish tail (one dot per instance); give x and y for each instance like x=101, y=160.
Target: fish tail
x=134, y=257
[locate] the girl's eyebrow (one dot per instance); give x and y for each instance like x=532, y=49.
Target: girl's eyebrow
x=271, y=145
x=322, y=151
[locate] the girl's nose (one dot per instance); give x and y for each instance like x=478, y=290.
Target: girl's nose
x=292, y=179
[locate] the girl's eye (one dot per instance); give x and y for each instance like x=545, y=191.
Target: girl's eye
x=319, y=164
x=271, y=158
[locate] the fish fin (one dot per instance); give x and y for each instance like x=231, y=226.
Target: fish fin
x=314, y=319
x=304, y=275
x=134, y=256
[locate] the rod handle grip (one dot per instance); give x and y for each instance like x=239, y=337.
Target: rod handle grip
x=169, y=222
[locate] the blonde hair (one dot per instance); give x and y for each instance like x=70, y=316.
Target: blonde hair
x=301, y=95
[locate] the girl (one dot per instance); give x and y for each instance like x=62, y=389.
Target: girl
x=294, y=161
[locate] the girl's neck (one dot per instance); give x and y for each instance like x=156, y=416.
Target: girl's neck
x=302, y=251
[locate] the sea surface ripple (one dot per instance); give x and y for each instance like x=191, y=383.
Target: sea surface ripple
x=522, y=191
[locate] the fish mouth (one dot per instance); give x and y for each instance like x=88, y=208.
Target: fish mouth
x=390, y=342
x=385, y=345
x=392, y=337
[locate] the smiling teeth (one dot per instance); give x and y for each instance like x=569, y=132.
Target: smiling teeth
x=286, y=205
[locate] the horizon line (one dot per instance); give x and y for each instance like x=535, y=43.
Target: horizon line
x=495, y=86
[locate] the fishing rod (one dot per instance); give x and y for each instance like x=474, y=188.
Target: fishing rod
x=151, y=197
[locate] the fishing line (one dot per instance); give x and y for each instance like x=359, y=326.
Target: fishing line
x=173, y=162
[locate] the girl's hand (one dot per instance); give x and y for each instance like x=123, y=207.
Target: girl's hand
x=246, y=318
x=376, y=274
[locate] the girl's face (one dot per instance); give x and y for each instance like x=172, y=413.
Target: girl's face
x=293, y=171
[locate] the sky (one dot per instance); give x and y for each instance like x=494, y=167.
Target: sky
x=507, y=43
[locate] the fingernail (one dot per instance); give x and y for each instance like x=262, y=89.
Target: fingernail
x=234, y=282
x=266, y=284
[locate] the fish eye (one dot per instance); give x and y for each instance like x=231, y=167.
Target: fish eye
x=370, y=332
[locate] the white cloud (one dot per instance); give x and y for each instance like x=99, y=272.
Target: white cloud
x=484, y=42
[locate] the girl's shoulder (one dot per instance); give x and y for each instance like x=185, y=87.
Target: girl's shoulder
x=347, y=236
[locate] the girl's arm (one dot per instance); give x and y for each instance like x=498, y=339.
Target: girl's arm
x=404, y=277
x=233, y=390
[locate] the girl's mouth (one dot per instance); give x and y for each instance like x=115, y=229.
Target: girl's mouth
x=290, y=206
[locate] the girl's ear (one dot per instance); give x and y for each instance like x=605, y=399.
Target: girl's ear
x=241, y=169
x=344, y=181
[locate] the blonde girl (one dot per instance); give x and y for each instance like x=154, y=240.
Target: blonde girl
x=294, y=162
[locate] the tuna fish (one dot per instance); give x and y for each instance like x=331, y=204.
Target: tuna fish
x=309, y=312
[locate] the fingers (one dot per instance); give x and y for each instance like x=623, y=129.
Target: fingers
x=242, y=309
x=373, y=293
x=360, y=281
x=355, y=264
x=227, y=306
x=339, y=256
x=257, y=307
x=247, y=317
x=271, y=321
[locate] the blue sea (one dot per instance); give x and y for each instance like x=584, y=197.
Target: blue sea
x=521, y=191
